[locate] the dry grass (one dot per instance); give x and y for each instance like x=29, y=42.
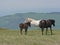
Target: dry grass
x=34, y=37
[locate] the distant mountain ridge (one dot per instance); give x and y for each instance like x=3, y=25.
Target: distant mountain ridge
x=12, y=21
x=55, y=13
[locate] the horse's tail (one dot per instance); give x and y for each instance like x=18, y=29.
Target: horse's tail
x=54, y=23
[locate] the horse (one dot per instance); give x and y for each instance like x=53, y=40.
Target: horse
x=33, y=21
x=47, y=24
x=42, y=23
x=24, y=26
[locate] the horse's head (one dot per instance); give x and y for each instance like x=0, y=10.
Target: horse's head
x=52, y=21
x=29, y=24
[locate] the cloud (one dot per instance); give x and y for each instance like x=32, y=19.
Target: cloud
x=9, y=6
x=29, y=4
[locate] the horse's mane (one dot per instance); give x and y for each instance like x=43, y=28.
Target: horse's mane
x=30, y=18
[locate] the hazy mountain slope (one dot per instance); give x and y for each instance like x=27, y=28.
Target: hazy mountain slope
x=12, y=21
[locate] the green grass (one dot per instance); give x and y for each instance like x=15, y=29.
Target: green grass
x=33, y=37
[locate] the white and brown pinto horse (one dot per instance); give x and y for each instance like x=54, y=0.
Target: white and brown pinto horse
x=33, y=21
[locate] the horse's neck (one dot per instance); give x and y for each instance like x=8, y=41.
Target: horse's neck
x=31, y=19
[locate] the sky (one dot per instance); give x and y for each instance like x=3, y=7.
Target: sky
x=8, y=7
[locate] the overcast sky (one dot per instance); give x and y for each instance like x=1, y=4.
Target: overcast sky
x=18, y=6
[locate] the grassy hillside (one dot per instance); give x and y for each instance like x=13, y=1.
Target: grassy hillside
x=34, y=37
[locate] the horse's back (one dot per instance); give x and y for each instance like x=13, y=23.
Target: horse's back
x=21, y=25
x=35, y=22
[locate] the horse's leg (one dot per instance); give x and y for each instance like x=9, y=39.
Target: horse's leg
x=26, y=31
x=42, y=30
x=51, y=30
x=46, y=30
x=21, y=31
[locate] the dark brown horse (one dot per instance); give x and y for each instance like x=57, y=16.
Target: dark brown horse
x=47, y=24
x=24, y=26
